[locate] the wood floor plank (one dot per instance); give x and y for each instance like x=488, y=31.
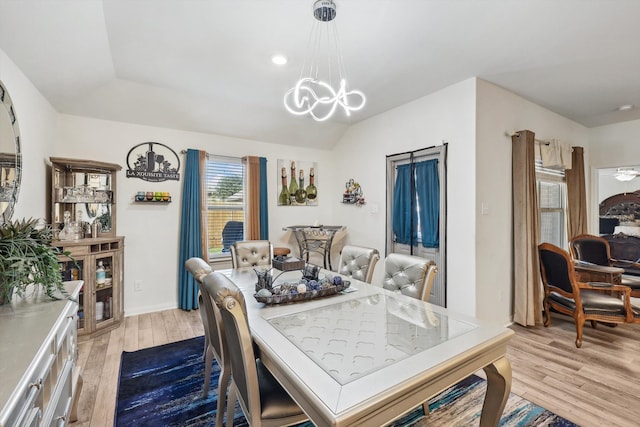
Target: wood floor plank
x=145, y=331
x=131, y=333
x=159, y=330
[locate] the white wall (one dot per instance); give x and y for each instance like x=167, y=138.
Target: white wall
x=500, y=111
x=152, y=231
x=37, y=123
x=447, y=115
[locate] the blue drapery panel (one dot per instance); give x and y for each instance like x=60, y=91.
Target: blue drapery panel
x=401, y=221
x=264, y=201
x=190, y=231
x=428, y=192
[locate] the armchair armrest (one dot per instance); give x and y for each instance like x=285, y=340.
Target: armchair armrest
x=625, y=291
x=631, y=267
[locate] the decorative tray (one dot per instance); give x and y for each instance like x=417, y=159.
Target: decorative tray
x=283, y=298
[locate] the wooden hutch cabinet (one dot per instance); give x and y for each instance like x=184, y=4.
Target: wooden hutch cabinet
x=87, y=191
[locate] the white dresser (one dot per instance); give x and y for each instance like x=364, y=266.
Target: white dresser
x=38, y=356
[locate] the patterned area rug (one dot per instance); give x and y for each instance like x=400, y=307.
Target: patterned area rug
x=162, y=386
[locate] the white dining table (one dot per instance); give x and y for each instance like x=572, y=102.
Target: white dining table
x=367, y=356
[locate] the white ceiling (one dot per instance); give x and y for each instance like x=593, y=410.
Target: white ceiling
x=204, y=65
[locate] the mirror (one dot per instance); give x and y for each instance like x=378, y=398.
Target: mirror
x=10, y=156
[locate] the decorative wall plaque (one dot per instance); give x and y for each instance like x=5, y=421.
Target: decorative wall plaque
x=153, y=162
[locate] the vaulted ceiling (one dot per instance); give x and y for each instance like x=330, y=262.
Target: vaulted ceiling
x=204, y=65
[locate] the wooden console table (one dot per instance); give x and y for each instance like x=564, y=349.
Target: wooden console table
x=315, y=239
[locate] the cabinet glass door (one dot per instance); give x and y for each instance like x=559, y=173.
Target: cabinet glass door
x=104, y=289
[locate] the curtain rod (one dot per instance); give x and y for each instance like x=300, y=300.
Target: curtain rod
x=539, y=141
x=215, y=155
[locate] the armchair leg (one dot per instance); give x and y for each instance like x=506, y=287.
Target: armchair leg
x=579, y=326
x=547, y=313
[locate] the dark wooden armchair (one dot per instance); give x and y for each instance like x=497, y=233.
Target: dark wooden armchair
x=597, y=250
x=596, y=302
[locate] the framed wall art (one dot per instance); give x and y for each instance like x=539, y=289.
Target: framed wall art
x=297, y=183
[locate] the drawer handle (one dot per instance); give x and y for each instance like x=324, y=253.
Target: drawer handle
x=37, y=384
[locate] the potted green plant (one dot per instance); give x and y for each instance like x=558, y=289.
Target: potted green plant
x=27, y=258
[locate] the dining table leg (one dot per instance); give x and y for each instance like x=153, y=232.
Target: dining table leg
x=498, y=389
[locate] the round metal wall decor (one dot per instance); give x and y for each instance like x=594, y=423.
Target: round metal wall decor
x=153, y=162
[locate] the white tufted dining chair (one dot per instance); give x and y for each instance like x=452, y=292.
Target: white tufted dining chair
x=251, y=253
x=358, y=262
x=410, y=275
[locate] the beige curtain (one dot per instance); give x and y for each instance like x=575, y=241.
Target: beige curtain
x=202, y=162
x=576, y=195
x=252, y=227
x=527, y=285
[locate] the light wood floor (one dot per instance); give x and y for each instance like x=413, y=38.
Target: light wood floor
x=595, y=385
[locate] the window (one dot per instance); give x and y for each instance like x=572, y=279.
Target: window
x=224, y=184
x=552, y=203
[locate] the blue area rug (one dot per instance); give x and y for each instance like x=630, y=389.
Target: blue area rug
x=162, y=386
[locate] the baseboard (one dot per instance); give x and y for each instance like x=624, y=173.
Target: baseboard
x=146, y=310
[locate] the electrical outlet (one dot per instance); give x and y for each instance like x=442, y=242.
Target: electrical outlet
x=137, y=285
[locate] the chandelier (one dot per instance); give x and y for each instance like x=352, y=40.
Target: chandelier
x=322, y=86
x=626, y=174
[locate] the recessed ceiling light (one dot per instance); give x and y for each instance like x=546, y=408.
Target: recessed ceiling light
x=625, y=107
x=279, y=59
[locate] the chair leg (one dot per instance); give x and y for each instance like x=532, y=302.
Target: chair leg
x=206, y=346
x=547, y=313
x=231, y=404
x=579, y=326
x=208, y=361
x=425, y=407
x=223, y=383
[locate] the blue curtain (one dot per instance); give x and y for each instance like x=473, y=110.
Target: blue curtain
x=190, y=231
x=428, y=191
x=264, y=201
x=402, y=211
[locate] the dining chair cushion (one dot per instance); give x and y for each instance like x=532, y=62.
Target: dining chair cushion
x=275, y=402
x=593, y=302
x=631, y=281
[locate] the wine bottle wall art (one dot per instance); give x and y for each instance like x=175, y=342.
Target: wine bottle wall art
x=298, y=183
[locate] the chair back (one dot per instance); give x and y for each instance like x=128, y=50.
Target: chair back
x=589, y=248
x=410, y=275
x=211, y=320
x=198, y=268
x=251, y=253
x=230, y=301
x=556, y=269
x=233, y=231
x=358, y=262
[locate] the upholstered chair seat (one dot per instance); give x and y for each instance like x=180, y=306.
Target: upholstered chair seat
x=358, y=262
x=410, y=275
x=251, y=253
